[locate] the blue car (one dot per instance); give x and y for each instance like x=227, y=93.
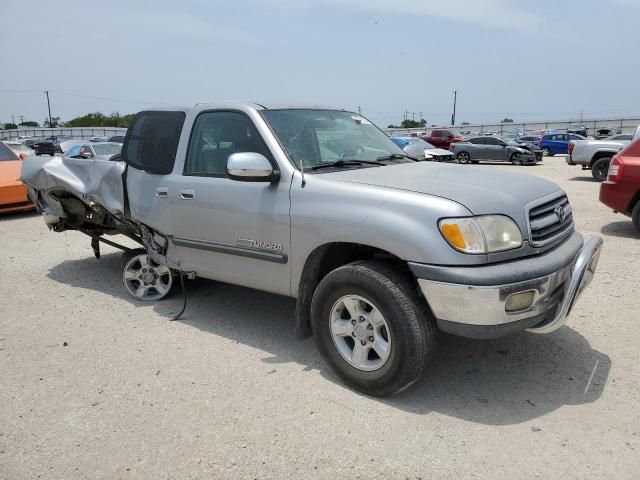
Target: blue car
x=553, y=143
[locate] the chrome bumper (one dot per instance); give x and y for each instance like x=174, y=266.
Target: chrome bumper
x=485, y=306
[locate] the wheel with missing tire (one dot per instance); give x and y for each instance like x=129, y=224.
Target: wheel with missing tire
x=546, y=152
x=372, y=327
x=143, y=278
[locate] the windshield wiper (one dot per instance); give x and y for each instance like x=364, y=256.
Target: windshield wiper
x=398, y=156
x=345, y=163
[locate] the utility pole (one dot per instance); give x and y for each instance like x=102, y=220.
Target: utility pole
x=21, y=119
x=413, y=116
x=13, y=120
x=453, y=115
x=49, y=107
x=359, y=110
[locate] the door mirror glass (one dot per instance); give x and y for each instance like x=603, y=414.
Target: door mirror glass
x=250, y=167
x=86, y=155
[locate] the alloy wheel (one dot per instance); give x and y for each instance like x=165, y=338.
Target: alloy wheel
x=360, y=332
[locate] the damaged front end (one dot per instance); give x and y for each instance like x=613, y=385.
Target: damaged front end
x=88, y=196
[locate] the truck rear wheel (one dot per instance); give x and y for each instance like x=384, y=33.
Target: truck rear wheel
x=143, y=278
x=600, y=168
x=372, y=327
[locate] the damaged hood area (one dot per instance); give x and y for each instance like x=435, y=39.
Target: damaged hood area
x=94, y=182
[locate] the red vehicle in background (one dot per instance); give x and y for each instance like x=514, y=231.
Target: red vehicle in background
x=621, y=190
x=442, y=138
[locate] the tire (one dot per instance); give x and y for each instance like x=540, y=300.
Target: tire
x=463, y=158
x=635, y=216
x=515, y=159
x=546, y=152
x=600, y=169
x=156, y=283
x=408, y=325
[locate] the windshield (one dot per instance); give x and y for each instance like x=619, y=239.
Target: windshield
x=6, y=153
x=314, y=137
x=107, y=148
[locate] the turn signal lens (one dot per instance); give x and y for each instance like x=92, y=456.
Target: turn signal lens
x=452, y=233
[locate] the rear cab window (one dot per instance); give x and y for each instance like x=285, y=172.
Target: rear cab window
x=152, y=141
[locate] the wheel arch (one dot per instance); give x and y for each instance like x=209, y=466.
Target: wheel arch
x=322, y=260
x=601, y=154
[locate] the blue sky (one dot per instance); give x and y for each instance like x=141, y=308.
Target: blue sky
x=528, y=60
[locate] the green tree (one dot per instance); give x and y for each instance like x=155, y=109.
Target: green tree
x=10, y=126
x=413, y=123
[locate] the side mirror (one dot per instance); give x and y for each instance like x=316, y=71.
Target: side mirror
x=251, y=167
x=87, y=155
x=22, y=155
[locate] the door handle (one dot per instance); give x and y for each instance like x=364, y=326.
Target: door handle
x=186, y=194
x=162, y=192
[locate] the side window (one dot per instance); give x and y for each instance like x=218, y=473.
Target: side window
x=477, y=141
x=152, y=140
x=216, y=136
x=436, y=133
x=493, y=141
x=85, y=149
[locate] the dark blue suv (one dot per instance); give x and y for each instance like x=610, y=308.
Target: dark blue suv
x=552, y=143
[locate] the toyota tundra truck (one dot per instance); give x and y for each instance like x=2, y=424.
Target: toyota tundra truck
x=380, y=251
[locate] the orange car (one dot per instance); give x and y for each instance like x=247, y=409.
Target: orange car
x=13, y=193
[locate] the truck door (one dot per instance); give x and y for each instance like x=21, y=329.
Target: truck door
x=150, y=151
x=229, y=230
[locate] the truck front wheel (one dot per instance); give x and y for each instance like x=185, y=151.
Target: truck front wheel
x=372, y=327
x=143, y=278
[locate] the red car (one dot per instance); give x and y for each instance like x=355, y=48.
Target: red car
x=621, y=190
x=442, y=138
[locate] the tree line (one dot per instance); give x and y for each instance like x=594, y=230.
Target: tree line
x=95, y=119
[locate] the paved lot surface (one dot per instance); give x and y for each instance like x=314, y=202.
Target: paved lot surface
x=95, y=385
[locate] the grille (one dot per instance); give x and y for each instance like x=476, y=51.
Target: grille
x=550, y=221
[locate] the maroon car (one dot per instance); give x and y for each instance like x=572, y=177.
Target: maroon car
x=442, y=138
x=621, y=190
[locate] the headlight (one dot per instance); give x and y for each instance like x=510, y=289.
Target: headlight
x=484, y=234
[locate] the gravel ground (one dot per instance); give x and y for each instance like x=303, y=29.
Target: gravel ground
x=95, y=385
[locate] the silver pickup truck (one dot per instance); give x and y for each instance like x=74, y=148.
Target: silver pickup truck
x=596, y=155
x=380, y=251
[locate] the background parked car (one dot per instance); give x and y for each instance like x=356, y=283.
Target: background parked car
x=98, y=151
x=529, y=139
x=46, y=147
x=577, y=130
x=557, y=143
x=621, y=190
x=418, y=148
x=19, y=148
x=13, y=193
x=97, y=139
x=494, y=149
x=442, y=138
x=116, y=139
x=30, y=143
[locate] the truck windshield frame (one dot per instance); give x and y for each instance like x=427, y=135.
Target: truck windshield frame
x=323, y=136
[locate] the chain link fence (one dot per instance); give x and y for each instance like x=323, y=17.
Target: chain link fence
x=74, y=132
x=616, y=125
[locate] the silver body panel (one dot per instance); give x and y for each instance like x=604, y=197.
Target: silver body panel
x=260, y=235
